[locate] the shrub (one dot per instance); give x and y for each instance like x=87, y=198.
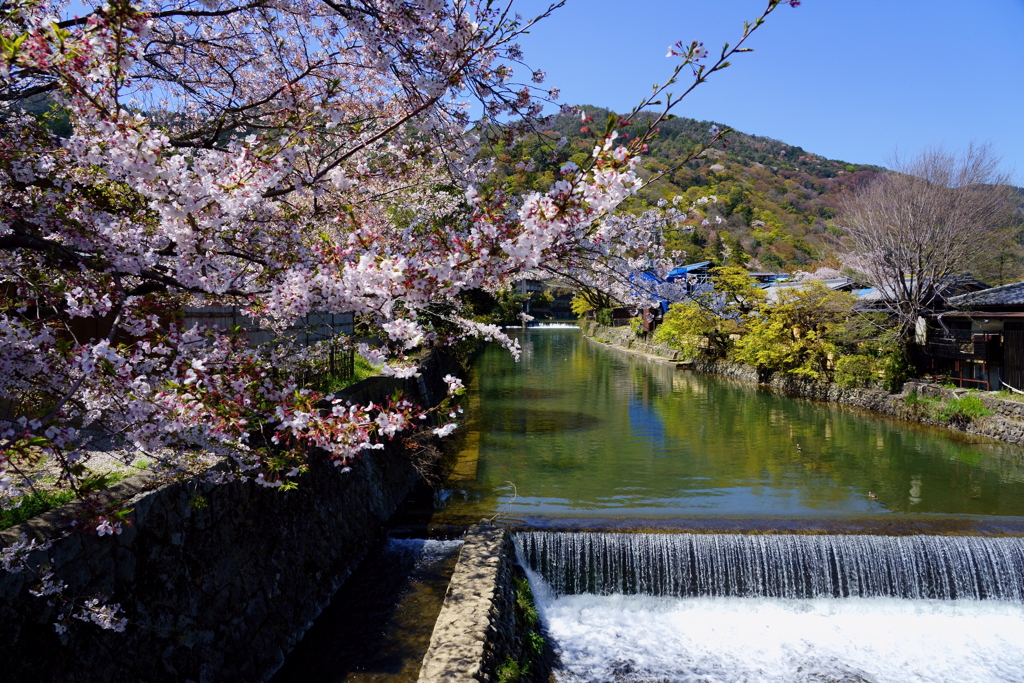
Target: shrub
x=856, y=370
x=604, y=317
x=895, y=363
x=798, y=332
x=580, y=306
x=529, y=628
x=510, y=671
x=695, y=330
x=958, y=410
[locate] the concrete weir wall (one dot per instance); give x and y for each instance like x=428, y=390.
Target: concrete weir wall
x=218, y=582
x=476, y=628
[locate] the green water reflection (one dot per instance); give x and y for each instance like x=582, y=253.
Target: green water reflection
x=583, y=430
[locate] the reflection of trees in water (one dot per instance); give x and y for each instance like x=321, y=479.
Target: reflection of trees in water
x=521, y=394
x=577, y=424
x=533, y=421
x=911, y=468
x=538, y=408
x=646, y=377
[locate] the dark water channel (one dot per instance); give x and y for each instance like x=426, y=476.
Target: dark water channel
x=580, y=430
x=377, y=627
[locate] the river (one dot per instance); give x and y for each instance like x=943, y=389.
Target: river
x=576, y=429
x=578, y=436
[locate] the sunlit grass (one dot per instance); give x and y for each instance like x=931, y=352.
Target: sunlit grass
x=332, y=383
x=34, y=504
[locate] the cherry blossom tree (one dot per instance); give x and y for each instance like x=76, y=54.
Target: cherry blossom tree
x=282, y=156
x=911, y=231
x=626, y=263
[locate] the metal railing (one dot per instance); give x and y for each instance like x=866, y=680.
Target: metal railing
x=960, y=380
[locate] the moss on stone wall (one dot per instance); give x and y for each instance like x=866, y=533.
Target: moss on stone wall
x=532, y=662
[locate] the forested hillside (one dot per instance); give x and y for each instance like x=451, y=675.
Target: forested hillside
x=776, y=201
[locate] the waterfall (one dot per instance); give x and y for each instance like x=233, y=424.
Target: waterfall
x=545, y=326
x=788, y=566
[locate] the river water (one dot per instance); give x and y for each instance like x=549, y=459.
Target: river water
x=780, y=607
x=581, y=436
x=578, y=436
x=581, y=430
x=378, y=625
x=635, y=638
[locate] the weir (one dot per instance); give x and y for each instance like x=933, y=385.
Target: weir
x=683, y=527
x=788, y=566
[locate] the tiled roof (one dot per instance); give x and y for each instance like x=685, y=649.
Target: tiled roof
x=774, y=289
x=949, y=288
x=1007, y=295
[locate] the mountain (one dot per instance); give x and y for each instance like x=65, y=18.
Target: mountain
x=776, y=199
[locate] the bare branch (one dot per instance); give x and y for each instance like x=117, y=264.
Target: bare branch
x=937, y=216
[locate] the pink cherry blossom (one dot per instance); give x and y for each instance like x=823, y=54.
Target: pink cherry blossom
x=283, y=159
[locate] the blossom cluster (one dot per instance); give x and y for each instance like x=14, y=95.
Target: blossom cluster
x=283, y=158
x=626, y=260
x=18, y=558
x=288, y=167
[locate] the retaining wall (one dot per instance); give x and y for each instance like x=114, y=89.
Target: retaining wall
x=218, y=582
x=625, y=338
x=1006, y=424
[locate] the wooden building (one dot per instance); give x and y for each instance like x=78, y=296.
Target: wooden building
x=978, y=342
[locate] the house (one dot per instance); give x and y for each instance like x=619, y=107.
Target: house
x=978, y=341
x=769, y=278
x=695, y=277
x=528, y=285
x=561, y=308
x=692, y=274
x=776, y=287
x=958, y=340
x=876, y=298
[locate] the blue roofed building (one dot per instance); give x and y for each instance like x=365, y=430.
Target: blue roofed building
x=696, y=272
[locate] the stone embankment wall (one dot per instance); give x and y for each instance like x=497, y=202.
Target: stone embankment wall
x=218, y=582
x=476, y=628
x=1007, y=423
x=625, y=338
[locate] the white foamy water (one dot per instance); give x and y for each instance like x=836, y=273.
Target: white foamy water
x=711, y=640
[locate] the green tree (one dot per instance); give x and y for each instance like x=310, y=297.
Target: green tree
x=801, y=332
x=734, y=248
x=705, y=325
x=580, y=306
x=740, y=292
x=734, y=199
x=695, y=329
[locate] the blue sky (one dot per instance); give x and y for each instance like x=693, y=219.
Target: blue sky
x=846, y=79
